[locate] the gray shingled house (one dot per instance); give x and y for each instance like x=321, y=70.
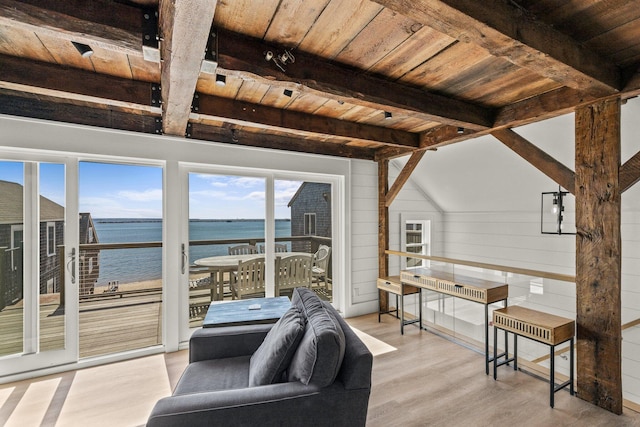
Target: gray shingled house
x=51, y=239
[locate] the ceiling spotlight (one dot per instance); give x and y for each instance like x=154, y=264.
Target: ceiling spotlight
x=83, y=49
x=388, y=115
x=221, y=79
x=288, y=92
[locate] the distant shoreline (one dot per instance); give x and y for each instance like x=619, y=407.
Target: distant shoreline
x=136, y=220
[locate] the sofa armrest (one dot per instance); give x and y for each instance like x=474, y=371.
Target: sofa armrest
x=281, y=405
x=233, y=341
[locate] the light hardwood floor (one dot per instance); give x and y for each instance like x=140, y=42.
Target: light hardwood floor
x=427, y=381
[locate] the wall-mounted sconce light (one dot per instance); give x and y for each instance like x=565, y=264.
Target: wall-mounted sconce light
x=221, y=79
x=387, y=115
x=83, y=49
x=552, y=213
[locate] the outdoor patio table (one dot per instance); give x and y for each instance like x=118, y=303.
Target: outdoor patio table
x=218, y=265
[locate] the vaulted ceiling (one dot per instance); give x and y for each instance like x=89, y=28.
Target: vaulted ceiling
x=353, y=78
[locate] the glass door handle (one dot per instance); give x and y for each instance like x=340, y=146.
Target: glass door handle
x=184, y=258
x=71, y=265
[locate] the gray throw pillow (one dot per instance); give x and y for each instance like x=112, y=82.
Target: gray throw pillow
x=270, y=360
x=319, y=355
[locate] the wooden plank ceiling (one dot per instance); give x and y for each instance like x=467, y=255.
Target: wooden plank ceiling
x=354, y=78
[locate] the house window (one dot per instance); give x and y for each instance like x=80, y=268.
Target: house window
x=417, y=239
x=310, y=224
x=51, y=238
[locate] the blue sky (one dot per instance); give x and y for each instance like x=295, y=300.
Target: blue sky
x=130, y=191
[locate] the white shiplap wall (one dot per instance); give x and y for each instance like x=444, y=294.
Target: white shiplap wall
x=514, y=239
x=410, y=202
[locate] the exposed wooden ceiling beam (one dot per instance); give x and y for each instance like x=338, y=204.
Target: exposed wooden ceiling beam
x=74, y=84
x=119, y=29
x=245, y=57
x=232, y=135
x=555, y=170
x=41, y=107
x=184, y=32
x=445, y=135
x=630, y=173
x=248, y=114
x=506, y=32
x=404, y=175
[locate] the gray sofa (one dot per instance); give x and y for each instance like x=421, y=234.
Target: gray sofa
x=308, y=369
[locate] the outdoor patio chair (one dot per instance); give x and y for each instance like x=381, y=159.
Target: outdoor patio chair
x=321, y=264
x=249, y=279
x=293, y=271
x=279, y=247
x=243, y=250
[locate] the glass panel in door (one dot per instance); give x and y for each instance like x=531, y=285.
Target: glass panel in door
x=303, y=215
x=226, y=240
x=120, y=263
x=11, y=258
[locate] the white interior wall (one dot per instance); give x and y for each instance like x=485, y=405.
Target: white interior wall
x=491, y=197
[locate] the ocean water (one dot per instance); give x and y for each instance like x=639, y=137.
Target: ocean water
x=132, y=265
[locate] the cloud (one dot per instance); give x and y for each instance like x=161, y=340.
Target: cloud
x=142, y=196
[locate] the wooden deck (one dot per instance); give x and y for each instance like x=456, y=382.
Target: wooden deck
x=108, y=324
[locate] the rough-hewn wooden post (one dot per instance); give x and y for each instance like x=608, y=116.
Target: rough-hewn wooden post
x=598, y=255
x=383, y=229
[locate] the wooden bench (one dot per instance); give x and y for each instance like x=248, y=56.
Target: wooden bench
x=541, y=327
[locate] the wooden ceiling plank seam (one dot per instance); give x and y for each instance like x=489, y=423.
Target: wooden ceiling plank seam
x=346, y=18
x=506, y=33
x=377, y=40
x=404, y=176
x=542, y=161
x=612, y=12
x=44, y=21
x=242, y=55
x=255, y=114
x=184, y=30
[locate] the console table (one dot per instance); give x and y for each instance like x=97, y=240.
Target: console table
x=469, y=288
x=393, y=285
x=538, y=326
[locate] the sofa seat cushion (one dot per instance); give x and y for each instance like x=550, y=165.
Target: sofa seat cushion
x=270, y=360
x=319, y=355
x=214, y=375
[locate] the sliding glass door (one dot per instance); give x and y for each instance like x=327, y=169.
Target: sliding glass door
x=120, y=259
x=226, y=226
x=283, y=225
x=37, y=262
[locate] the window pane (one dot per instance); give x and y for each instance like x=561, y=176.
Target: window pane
x=226, y=227
x=120, y=285
x=310, y=215
x=11, y=257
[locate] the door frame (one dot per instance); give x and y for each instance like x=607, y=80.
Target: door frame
x=32, y=358
x=270, y=176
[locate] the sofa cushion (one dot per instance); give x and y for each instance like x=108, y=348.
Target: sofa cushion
x=270, y=360
x=214, y=375
x=321, y=350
